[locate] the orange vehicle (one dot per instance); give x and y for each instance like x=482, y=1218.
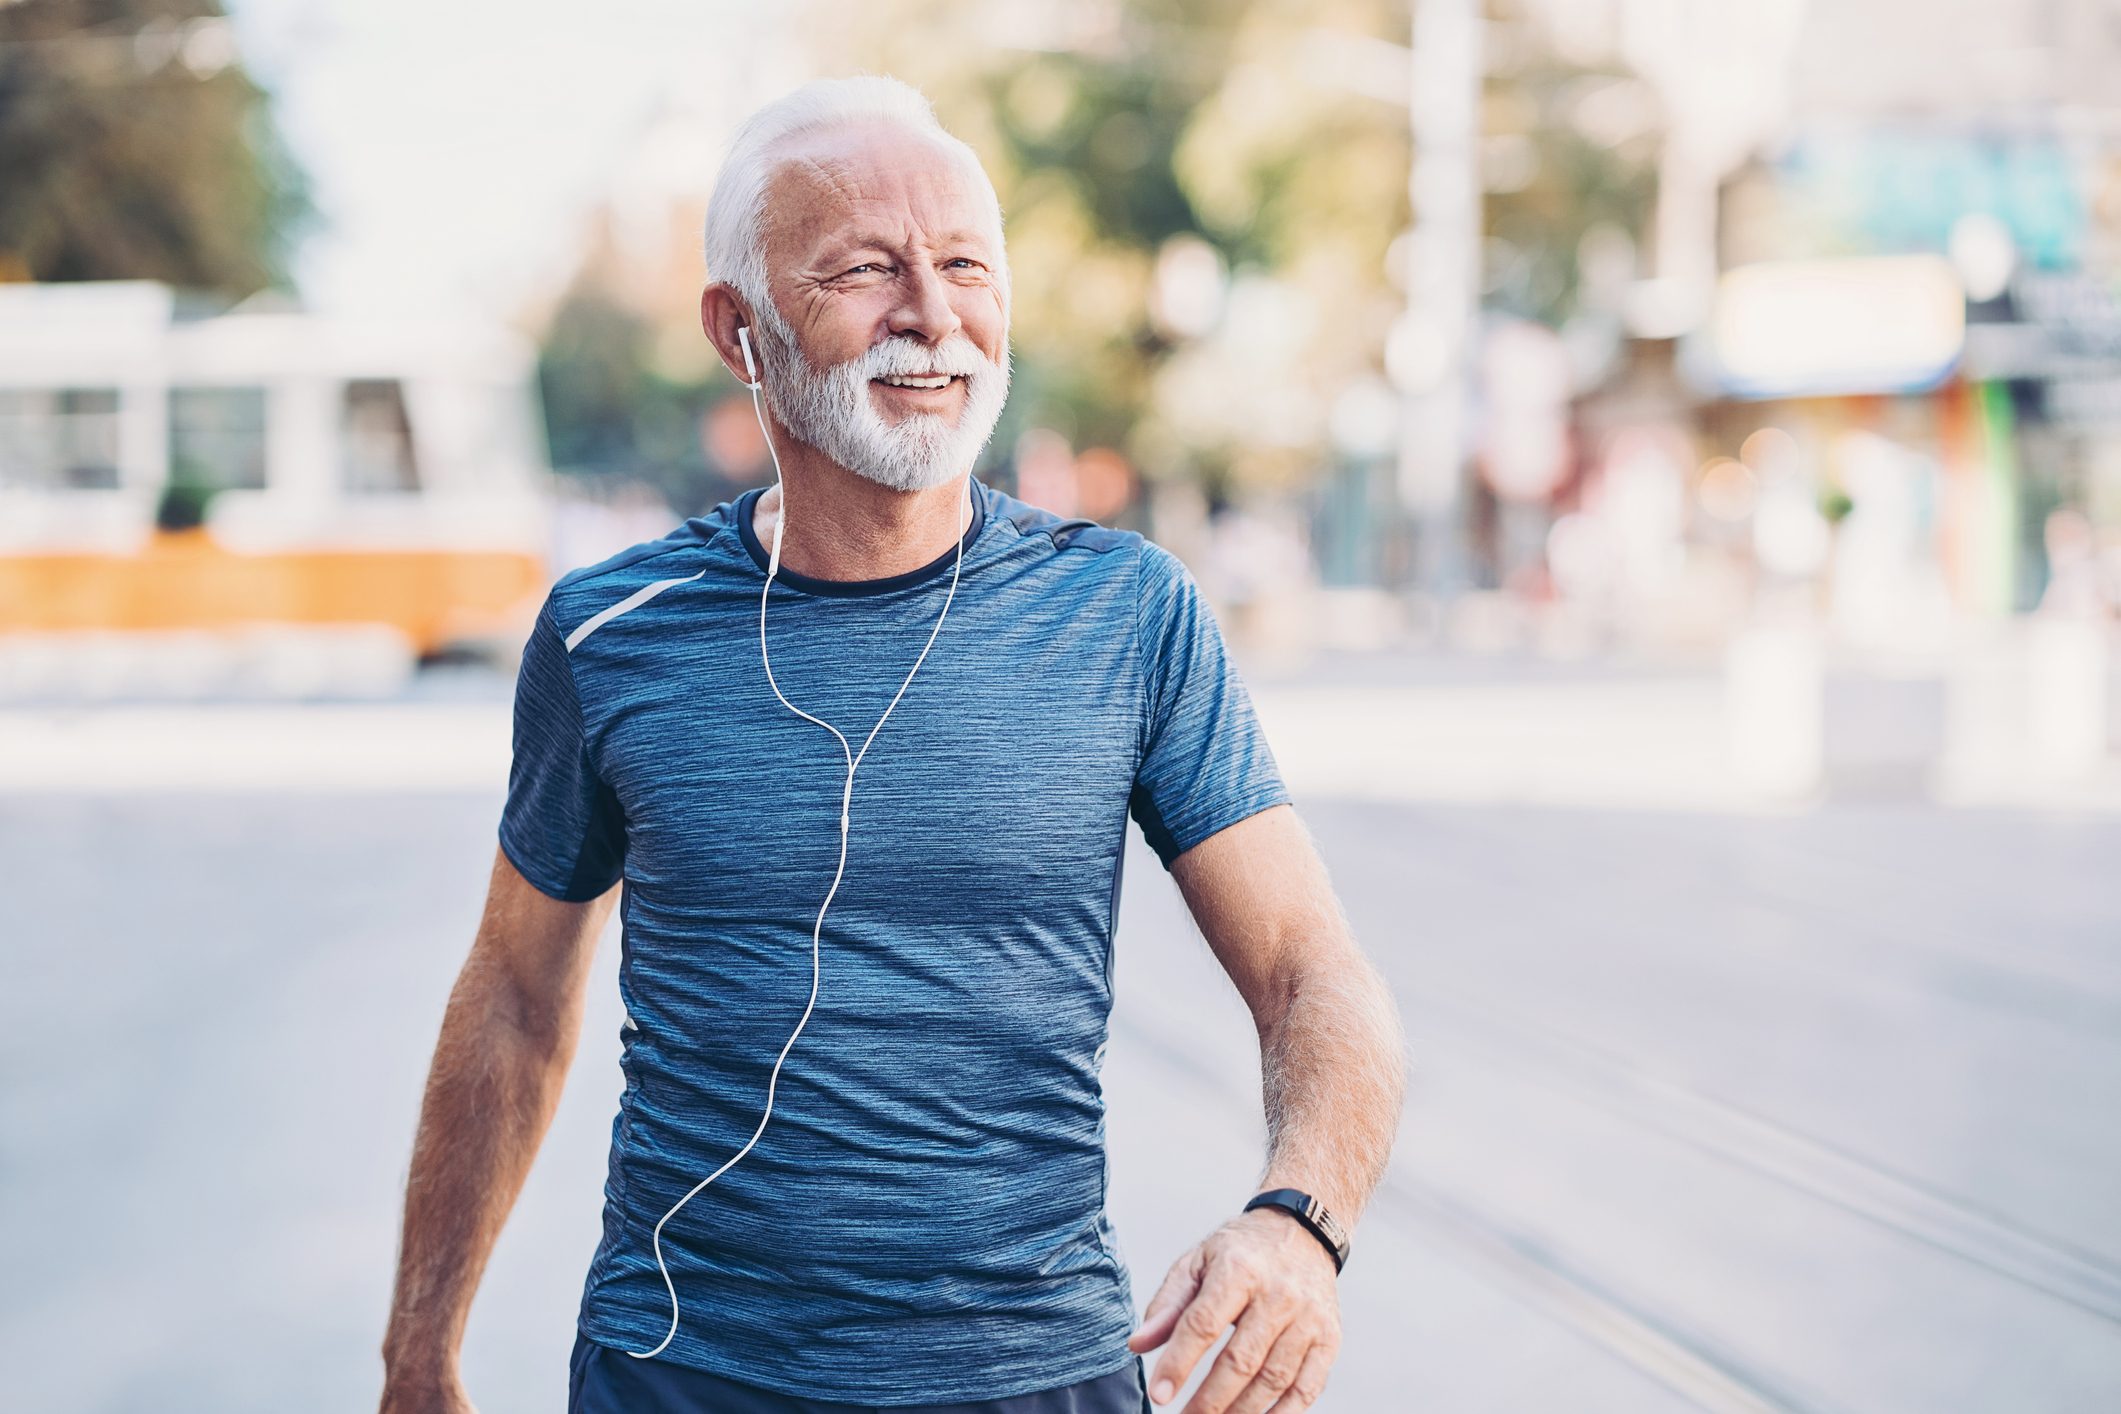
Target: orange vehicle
x=261, y=474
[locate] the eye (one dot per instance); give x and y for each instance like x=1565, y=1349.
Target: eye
x=965, y=260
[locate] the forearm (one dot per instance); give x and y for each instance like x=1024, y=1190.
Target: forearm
x=1333, y=1076
x=496, y=1079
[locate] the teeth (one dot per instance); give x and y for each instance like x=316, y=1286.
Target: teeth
x=940, y=381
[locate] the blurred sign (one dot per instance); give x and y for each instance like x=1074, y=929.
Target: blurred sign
x=1894, y=189
x=2067, y=334
x=1803, y=328
x=2079, y=310
x=2084, y=402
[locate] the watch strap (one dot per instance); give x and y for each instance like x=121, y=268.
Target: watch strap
x=1313, y=1214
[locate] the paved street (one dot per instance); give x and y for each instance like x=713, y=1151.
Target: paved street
x=1711, y=1109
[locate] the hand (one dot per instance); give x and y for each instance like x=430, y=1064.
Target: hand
x=1264, y=1271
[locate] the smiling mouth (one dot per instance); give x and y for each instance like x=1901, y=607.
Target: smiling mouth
x=919, y=382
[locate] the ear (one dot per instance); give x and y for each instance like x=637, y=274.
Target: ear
x=722, y=313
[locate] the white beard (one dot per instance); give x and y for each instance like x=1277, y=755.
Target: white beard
x=830, y=408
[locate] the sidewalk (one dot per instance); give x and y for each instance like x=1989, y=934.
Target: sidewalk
x=1586, y=740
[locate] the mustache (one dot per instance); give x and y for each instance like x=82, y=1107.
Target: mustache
x=957, y=356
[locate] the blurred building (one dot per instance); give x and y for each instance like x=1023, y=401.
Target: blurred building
x=1985, y=140
x=1872, y=352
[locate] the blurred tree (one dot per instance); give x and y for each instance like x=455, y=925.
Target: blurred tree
x=134, y=146
x=1202, y=201
x=589, y=373
x=613, y=411
x=1568, y=170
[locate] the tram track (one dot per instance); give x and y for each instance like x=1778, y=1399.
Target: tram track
x=1539, y=1278
x=1550, y=1058
x=1560, y=1288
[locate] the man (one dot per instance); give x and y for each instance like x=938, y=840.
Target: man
x=859, y=1161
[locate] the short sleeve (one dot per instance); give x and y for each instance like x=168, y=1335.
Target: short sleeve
x=1205, y=763
x=561, y=826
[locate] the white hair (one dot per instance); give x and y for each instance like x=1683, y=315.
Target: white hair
x=735, y=233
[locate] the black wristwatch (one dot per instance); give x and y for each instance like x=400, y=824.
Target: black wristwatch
x=1313, y=1215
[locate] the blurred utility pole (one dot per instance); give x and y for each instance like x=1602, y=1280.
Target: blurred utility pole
x=1434, y=341
x=1722, y=74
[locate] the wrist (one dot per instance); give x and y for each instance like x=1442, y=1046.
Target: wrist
x=414, y=1367
x=1301, y=1209
x=1345, y=1205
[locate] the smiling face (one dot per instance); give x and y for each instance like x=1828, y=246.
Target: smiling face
x=887, y=343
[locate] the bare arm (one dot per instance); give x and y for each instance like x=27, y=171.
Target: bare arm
x=507, y=1040
x=1332, y=1055
x=1332, y=1069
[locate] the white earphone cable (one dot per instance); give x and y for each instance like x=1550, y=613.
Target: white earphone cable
x=854, y=761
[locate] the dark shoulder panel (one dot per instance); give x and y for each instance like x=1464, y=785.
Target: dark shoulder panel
x=1064, y=532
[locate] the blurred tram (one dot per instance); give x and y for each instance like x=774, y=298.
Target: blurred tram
x=172, y=476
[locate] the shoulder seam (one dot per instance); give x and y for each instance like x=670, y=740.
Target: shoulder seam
x=1079, y=523
x=574, y=684
x=1009, y=521
x=581, y=721
x=589, y=573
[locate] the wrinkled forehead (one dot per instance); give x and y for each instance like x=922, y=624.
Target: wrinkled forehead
x=879, y=183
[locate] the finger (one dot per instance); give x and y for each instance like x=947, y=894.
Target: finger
x=1244, y=1360
x=1162, y=1312
x=1277, y=1372
x=1310, y=1381
x=1225, y=1287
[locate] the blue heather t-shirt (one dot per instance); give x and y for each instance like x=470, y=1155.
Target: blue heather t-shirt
x=923, y=1221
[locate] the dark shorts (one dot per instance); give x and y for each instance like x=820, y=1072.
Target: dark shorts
x=605, y=1381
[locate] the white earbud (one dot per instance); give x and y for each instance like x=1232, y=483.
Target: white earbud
x=751, y=370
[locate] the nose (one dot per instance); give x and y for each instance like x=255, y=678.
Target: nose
x=923, y=309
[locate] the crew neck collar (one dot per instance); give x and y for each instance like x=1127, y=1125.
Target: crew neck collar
x=858, y=588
